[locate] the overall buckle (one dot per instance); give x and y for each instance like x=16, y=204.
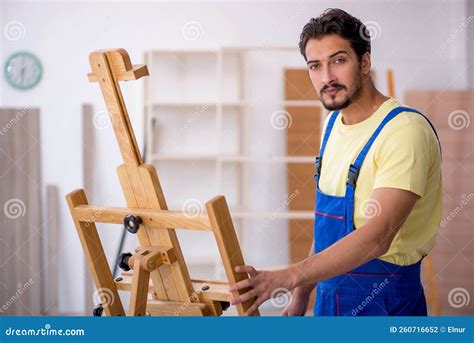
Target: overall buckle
x=318, y=166
x=353, y=175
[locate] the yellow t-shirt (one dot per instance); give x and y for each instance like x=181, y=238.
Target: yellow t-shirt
x=405, y=155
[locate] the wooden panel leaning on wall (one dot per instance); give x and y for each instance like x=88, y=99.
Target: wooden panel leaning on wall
x=20, y=199
x=453, y=255
x=303, y=139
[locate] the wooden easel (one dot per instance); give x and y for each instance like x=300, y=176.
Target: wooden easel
x=158, y=264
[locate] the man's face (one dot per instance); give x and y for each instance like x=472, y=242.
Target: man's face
x=335, y=71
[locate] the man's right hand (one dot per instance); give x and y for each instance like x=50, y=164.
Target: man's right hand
x=299, y=297
x=298, y=304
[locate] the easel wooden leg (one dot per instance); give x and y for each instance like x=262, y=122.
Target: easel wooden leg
x=97, y=261
x=139, y=292
x=228, y=245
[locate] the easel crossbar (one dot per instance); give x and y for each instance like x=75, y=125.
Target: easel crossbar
x=152, y=218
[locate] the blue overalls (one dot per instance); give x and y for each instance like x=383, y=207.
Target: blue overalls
x=376, y=288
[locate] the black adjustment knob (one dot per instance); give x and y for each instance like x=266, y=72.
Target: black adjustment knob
x=225, y=305
x=132, y=223
x=98, y=310
x=123, y=261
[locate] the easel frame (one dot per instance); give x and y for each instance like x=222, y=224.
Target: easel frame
x=173, y=291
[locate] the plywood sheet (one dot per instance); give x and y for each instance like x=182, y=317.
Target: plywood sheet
x=298, y=85
x=21, y=235
x=451, y=112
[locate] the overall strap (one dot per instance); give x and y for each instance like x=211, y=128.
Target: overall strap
x=354, y=168
x=329, y=127
x=327, y=133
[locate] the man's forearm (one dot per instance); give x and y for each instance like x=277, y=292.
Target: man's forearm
x=355, y=249
x=370, y=241
x=306, y=289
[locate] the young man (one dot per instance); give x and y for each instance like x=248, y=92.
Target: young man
x=378, y=177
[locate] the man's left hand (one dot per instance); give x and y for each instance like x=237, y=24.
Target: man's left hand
x=262, y=285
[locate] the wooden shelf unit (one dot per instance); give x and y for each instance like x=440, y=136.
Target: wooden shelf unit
x=218, y=93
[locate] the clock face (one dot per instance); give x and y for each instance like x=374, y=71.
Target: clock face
x=23, y=70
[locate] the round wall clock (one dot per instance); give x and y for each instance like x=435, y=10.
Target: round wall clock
x=23, y=70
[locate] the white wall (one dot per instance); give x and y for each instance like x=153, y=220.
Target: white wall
x=421, y=40
x=470, y=43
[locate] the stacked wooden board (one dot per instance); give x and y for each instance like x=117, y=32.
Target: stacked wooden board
x=303, y=139
x=453, y=256
x=21, y=235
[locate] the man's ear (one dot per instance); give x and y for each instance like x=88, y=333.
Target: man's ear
x=366, y=64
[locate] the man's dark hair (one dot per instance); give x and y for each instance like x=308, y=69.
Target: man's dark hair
x=337, y=21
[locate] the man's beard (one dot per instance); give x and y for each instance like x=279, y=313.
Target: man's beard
x=349, y=99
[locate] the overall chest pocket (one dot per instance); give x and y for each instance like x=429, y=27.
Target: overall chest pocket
x=329, y=221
